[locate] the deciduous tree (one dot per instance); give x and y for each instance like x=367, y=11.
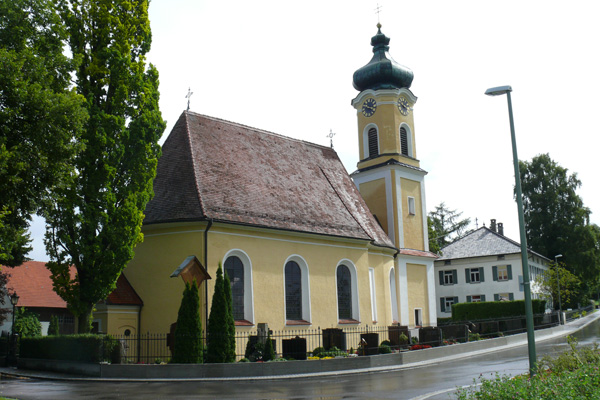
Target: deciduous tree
x=569, y=283
x=41, y=117
x=96, y=219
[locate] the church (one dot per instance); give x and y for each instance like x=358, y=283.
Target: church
x=304, y=243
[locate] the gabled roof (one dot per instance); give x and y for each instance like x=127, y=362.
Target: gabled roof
x=124, y=294
x=33, y=285
x=482, y=242
x=227, y=172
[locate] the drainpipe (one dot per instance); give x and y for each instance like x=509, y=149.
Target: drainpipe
x=139, y=334
x=208, y=226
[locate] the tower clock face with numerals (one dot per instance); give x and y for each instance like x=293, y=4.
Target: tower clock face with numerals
x=403, y=106
x=369, y=107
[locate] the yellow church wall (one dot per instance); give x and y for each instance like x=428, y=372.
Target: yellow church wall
x=417, y=292
x=413, y=224
x=373, y=193
x=116, y=320
x=163, y=250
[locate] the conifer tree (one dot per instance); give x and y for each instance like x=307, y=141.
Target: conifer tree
x=269, y=353
x=54, y=328
x=188, y=343
x=218, y=332
x=230, y=320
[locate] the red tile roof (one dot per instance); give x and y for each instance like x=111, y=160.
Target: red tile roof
x=214, y=169
x=124, y=294
x=32, y=283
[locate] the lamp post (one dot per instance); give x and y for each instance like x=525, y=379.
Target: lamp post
x=556, y=257
x=497, y=91
x=14, y=299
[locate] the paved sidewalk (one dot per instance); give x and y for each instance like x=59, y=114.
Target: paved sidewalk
x=520, y=339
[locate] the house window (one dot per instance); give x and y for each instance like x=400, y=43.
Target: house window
x=503, y=297
x=446, y=303
x=404, y=141
x=448, y=277
x=477, y=298
x=418, y=317
x=373, y=298
x=502, y=272
x=344, y=292
x=235, y=271
x=373, y=143
x=474, y=275
x=293, y=291
x=411, y=206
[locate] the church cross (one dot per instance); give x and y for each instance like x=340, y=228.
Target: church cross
x=378, y=11
x=330, y=136
x=188, y=96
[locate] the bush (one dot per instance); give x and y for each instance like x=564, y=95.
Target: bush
x=269, y=353
x=317, y=352
x=494, y=309
x=84, y=348
x=403, y=339
x=385, y=349
x=332, y=352
x=54, y=328
x=27, y=323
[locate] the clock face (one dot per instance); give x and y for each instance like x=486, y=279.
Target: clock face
x=369, y=107
x=403, y=106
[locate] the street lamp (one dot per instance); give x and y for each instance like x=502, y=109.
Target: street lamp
x=14, y=299
x=497, y=91
x=556, y=257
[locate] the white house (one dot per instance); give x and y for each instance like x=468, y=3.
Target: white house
x=484, y=266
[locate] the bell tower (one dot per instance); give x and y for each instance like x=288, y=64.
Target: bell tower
x=388, y=174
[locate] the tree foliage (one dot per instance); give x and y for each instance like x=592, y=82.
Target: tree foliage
x=569, y=284
x=219, y=334
x=95, y=220
x=557, y=222
x=445, y=226
x=40, y=117
x=188, y=341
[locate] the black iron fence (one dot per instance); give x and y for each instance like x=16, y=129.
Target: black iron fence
x=300, y=343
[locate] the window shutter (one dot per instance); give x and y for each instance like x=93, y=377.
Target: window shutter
x=443, y=304
x=495, y=272
x=454, y=277
x=496, y=297
x=511, y=297
x=468, y=299
x=404, y=141
x=455, y=300
x=441, y=277
x=467, y=275
x=483, y=297
x=373, y=145
x=509, y=268
x=481, y=279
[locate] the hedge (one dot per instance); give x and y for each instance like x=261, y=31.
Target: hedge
x=494, y=309
x=84, y=348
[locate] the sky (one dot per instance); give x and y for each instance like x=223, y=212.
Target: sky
x=287, y=67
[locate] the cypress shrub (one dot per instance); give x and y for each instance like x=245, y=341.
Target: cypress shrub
x=230, y=320
x=218, y=331
x=494, y=309
x=269, y=352
x=54, y=328
x=188, y=343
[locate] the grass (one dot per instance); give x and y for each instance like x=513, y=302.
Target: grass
x=575, y=374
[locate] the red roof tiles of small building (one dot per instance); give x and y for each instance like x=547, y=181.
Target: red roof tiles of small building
x=33, y=285
x=124, y=294
x=219, y=170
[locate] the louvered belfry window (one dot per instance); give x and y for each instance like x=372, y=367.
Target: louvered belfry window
x=373, y=145
x=344, y=292
x=404, y=141
x=293, y=291
x=235, y=271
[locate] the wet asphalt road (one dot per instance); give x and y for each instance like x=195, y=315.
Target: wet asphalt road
x=434, y=381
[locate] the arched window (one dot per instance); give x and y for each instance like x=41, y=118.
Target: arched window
x=293, y=291
x=235, y=271
x=344, y=292
x=404, y=141
x=373, y=143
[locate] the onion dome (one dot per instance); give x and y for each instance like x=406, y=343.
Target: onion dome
x=382, y=72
